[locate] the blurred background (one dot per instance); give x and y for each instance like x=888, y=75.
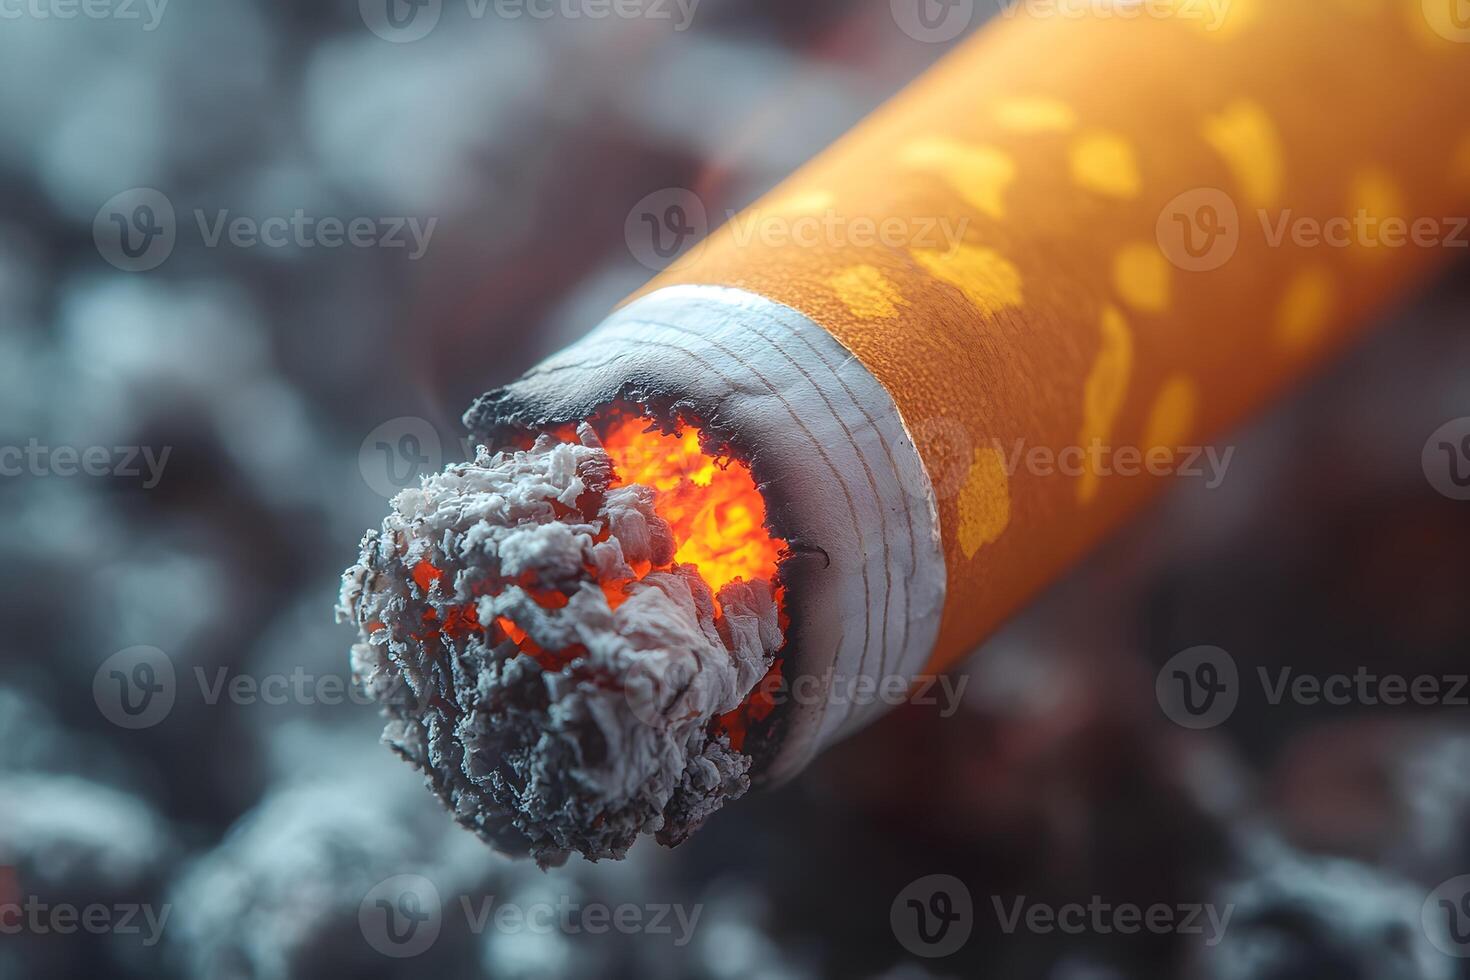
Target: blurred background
x=204, y=420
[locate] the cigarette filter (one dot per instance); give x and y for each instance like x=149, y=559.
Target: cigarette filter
x=839, y=442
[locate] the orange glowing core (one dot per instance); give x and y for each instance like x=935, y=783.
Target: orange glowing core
x=712, y=505
x=717, y=517
x=718, y=520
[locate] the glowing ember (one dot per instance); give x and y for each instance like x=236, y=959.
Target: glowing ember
x=718, y=519
x=588, y=627
x=717, y=515
x=712, y=506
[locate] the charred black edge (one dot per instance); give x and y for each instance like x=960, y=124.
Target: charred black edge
x=504, y=418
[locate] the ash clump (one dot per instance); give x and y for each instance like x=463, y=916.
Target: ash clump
x=545, y=662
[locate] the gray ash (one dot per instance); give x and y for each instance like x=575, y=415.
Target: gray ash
x=546, y=663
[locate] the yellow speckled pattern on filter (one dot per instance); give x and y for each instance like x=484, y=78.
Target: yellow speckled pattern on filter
x=1062, y=310
x=867, y=293
x=979, y=174
x=1104, y=163
x=1171, y=419
x=984, y=501
x=1244, y=135
x=1374, y=198
x=1305, y=313
x=989, y=280
x=1143, y=277
x=1035, y=114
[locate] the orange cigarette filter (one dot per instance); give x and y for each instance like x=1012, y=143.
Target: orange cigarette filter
x=1092, y=234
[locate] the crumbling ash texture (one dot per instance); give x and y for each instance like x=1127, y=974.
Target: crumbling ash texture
x=606, y=727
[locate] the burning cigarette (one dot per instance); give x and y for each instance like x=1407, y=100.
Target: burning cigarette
x=791, y=459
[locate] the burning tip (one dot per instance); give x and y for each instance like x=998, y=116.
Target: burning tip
x=570, y=640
